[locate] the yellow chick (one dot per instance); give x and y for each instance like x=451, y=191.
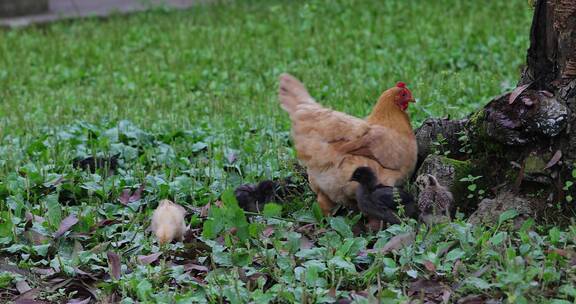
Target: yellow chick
x=168, y=222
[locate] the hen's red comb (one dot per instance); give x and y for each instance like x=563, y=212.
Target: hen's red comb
x=400, y=84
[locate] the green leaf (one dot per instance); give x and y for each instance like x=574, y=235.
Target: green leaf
x=568, y=289
x=53, y=210
x=560, y=301
x=199, y=146
x=340, y=263
x=554, y=234
x=6, y=225
x=228, y=198
x=455, y=254
x=478, y=283
x=412, y=273
x=272, y=210
x=506, y=215
x=241, y=257
x=143, y=290
x=498, y=238
x=6, y=279
x=42, y=250
x=318, y=215
x=472, y=187
x=211, y=229
x=222, y=258
x=340, y=225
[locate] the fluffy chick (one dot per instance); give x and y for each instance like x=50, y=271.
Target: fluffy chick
x=168, y=222
x=380, y=202
x=252, y=198
x=434, y=200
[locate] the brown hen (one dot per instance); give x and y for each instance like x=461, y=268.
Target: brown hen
x=331, y=144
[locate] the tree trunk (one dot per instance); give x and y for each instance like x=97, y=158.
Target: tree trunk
x=522, y=141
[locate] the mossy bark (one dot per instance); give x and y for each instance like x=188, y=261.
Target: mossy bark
x=522, y=141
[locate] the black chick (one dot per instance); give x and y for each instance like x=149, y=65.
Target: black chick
x=252, y=198
x=378, y=201
x=94, y=163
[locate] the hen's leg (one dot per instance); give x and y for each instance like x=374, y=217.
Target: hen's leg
x=325, y=203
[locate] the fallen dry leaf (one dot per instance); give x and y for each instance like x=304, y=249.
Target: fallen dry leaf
x=398, y=242
x=306, y=243
x=308, y=228
x=517, y=91
x=35, y=237
x=205, y=210
x=128, y=197
x=56, y=182
x=446, y=296
x=65, y=225
x=125, y=196
x=114, y=264
x=31, y=217
x=429, y=266
x=82, y=273
x=458, y=267
x=22, y=286
x=558, y=251
x=149, y=259
x=268, y=231
x=431, y=291
x=57, y=283
x=28, y=301
x=138, y=193
x=471, y=299
x=200, y=268
x=554, y=160
x=43, y=271
x=332, y=292
x=79, y=301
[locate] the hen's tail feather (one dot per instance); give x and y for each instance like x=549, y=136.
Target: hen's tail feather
x=292, y=93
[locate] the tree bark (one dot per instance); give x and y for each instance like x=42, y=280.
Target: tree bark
x=522, y=141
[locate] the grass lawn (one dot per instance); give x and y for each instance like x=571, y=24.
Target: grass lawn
x=188, y=101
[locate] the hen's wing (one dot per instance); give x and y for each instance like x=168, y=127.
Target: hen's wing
x=324, y=134
x=384, y=145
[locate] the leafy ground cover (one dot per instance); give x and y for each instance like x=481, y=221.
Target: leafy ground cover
x=182, y=105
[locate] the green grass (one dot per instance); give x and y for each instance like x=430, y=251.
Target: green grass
x=188, y=100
